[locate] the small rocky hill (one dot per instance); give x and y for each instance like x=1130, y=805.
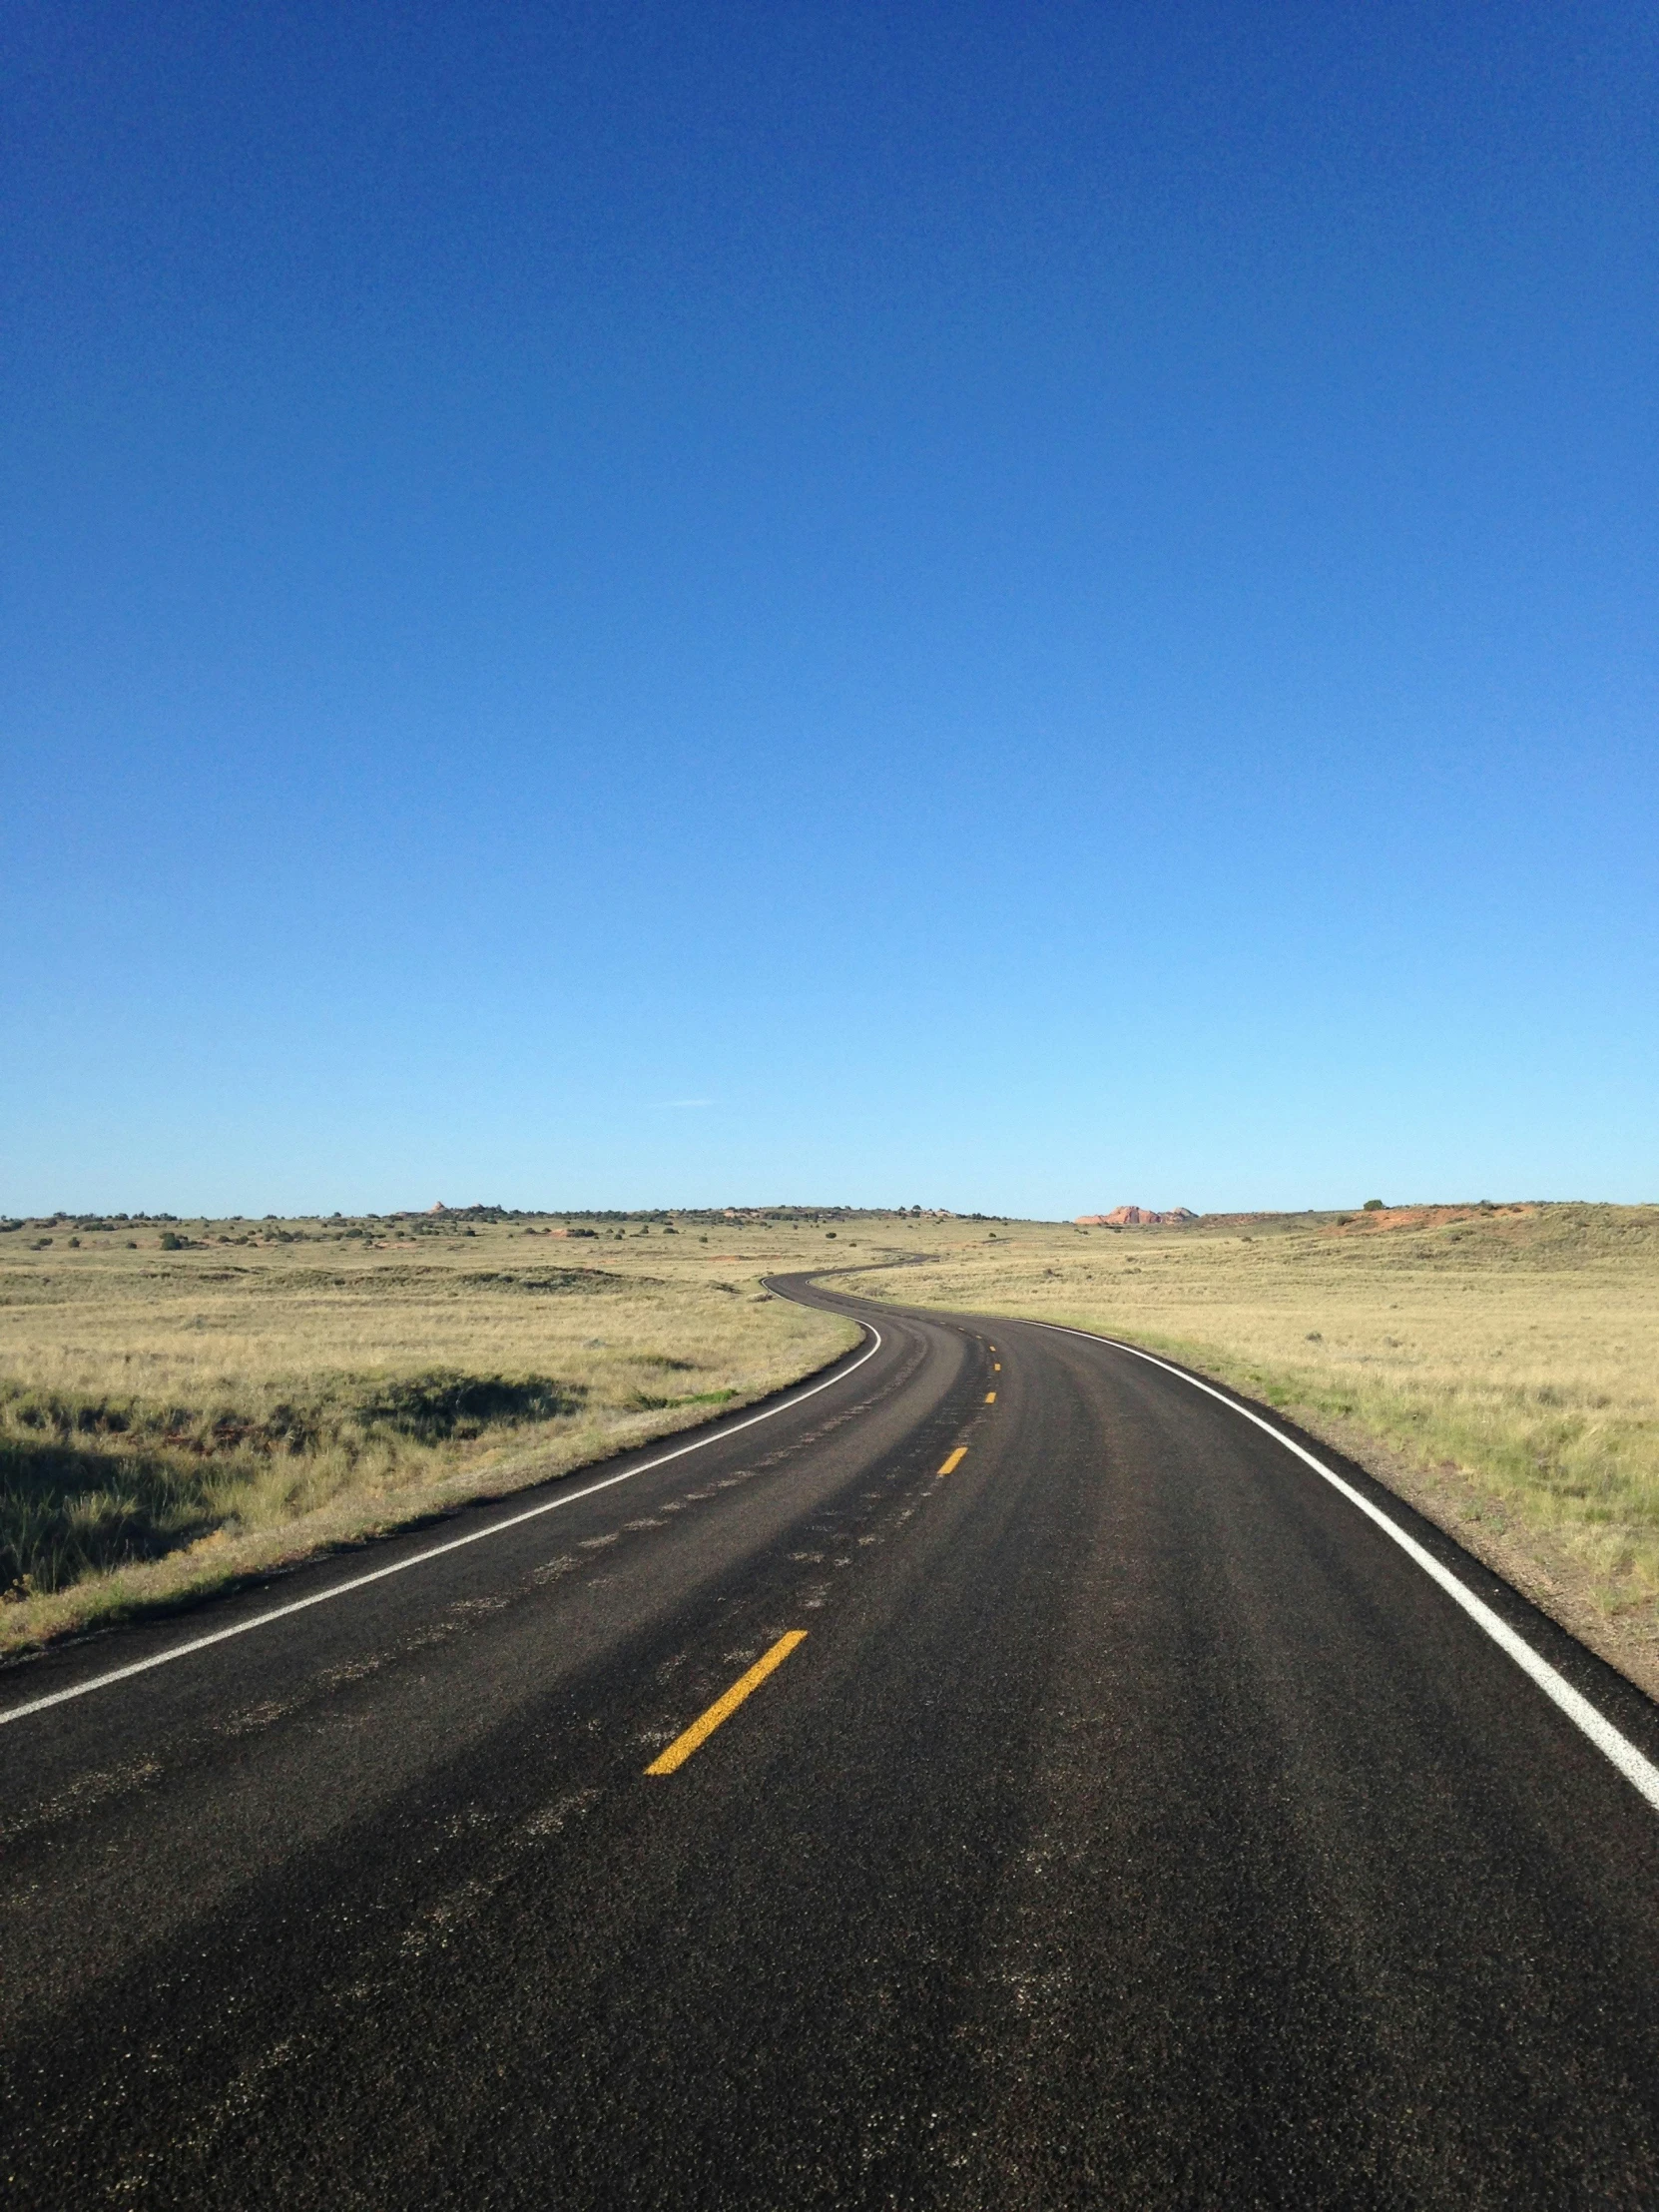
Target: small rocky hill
x=1136, y=1217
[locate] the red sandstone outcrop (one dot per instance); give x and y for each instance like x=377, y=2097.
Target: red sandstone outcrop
x=1136, y=1217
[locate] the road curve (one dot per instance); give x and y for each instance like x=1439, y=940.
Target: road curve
x=1120, y=1818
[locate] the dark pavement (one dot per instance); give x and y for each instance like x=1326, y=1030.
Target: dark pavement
x=1135, y=1825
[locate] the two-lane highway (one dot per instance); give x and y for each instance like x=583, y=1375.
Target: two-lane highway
x=1002, y=1775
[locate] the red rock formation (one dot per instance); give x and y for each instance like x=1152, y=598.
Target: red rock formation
x=1136, y=1217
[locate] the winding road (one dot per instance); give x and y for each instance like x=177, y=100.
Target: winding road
x=997, y=1774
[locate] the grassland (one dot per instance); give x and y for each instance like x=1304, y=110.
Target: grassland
x=1499, y=1366
x=186, y=1404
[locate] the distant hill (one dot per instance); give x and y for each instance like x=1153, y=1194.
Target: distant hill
x=1135, y=1216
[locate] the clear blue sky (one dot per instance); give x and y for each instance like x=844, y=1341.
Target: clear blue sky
x=1015, y=607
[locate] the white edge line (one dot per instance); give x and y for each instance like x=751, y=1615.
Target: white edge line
x=435, y=1551
x=1638, y=1771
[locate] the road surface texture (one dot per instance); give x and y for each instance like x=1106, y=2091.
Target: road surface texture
x=1135, y=1823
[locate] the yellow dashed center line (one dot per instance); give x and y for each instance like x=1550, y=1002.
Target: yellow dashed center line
x=955, y=1461
x=724, y=1707
x=990, y=1398
x=997, y=1367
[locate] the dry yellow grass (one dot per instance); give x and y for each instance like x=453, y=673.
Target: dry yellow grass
x=1498, y=1366
x=1501, y=1366
x=174, y=1420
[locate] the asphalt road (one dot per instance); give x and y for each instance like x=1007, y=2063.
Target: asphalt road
x=1136, y=1824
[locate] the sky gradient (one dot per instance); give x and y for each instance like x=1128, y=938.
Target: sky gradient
x=1009, y=607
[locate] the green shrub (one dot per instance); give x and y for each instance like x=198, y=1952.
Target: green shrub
x=442, y=1404
x=89, y=1484
x=69, y=1510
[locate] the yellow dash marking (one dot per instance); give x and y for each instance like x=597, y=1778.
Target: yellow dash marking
x=724, y=1707
x=990, y=1398
x=997, y=1367
x=955, y=1461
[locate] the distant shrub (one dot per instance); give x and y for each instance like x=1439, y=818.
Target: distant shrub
x=171, y=1242
x=1372, y=1206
